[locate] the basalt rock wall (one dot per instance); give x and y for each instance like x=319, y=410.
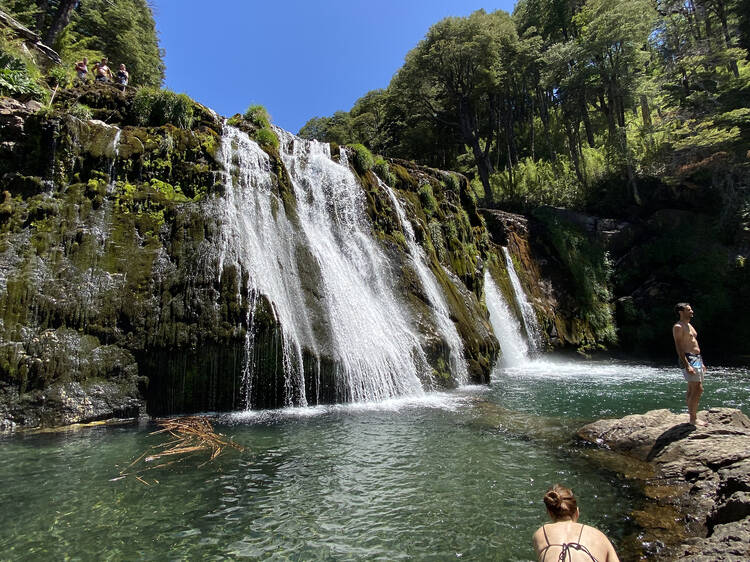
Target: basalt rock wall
x=111, y=296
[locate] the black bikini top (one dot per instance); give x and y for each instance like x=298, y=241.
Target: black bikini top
x=566, y=547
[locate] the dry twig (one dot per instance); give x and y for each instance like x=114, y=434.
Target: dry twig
x=189, y=436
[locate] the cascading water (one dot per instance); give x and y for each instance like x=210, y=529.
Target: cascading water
x=505, y=325
x=375, y=350
x=530, y=324
x=434, y=295
x=323, y=273
x=258, y=238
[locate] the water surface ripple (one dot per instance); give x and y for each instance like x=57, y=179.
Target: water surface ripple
x=437, y=477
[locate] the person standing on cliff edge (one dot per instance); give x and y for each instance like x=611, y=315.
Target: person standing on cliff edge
x=689, y=356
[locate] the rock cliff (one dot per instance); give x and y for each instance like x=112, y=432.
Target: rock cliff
x=702, y=473
x=112, y=296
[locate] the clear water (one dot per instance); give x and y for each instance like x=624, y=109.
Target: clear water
x=436, y=477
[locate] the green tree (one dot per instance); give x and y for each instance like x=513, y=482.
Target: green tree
x=452, y=73
x=124, y=30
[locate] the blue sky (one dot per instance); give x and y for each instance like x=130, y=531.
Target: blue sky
x=299, y=58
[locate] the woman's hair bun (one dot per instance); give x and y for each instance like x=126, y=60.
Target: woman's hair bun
x=560, y=501
x=552, y=499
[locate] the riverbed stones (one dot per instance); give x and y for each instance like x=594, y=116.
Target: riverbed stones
x=705, y=471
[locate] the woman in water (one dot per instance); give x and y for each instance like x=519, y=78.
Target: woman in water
x=565, y=539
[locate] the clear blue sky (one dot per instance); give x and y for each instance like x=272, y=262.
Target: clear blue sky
x=299, y=58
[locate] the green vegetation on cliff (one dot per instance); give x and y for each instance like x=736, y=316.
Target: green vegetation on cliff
x=122, y=30
x=615, y=108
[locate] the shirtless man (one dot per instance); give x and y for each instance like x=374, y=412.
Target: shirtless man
x=689, y=356
x=102, y=73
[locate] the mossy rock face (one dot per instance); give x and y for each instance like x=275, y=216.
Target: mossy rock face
x=107, y=247
x=456, y=249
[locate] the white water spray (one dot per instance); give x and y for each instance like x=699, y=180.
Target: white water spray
x=327, y=280
x=528, y=316
x=374, y=347
x=505, y=325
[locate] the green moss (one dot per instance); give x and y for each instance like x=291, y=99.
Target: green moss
x=591, y=270
x=427, y=198
x=362, y=160
x=258, y=116
x=383, y=170
x=153, y=106
x=265, y=137
x=403, y=177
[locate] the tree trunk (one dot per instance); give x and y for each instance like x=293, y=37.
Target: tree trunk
x=467, y=123
x=573, y=148
x=61, y=19
x=722, y=13
x=645, y=111
x=587, y=125
x=41, y=15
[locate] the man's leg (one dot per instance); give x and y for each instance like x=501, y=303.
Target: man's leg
x=695, y=390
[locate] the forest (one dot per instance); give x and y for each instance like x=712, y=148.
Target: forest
x=595, y=105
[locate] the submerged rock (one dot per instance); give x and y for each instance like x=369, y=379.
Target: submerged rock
x=703, y=471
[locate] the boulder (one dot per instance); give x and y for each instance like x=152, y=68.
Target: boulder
x=706, y=469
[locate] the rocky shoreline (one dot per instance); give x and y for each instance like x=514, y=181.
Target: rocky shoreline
x=698, y=474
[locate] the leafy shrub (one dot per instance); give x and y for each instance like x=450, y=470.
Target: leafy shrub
x=258, y=116
x=363, y=160
x=156, y=107
x=19, y=83
x=266, y=137
x=383, y=170
x=82, y=112
x=11, y=62
x=538, y=182
x=59, y=76
x=427, y=198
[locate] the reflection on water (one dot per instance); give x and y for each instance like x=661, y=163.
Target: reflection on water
x=444, y=475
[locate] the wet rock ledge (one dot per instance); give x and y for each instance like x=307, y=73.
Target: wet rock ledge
x=702, y=472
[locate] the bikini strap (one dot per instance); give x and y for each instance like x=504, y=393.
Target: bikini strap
x=580, y=533
x=545, y=535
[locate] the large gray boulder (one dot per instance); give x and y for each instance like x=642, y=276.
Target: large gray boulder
x=704, y=468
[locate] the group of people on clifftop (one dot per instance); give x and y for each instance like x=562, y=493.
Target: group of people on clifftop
x=102, y=73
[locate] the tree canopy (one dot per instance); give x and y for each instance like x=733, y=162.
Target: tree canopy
x=566, y=102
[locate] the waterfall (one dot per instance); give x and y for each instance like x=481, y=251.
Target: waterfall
x=528, y=317
x=329, y=284
x=505, y=325
x=258, y=238
x=434, y=295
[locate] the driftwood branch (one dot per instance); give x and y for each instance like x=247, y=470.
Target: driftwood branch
x=188, y=437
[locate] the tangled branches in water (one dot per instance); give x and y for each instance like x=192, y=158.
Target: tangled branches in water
x=189, y=436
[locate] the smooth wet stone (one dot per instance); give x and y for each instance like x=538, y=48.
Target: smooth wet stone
x=707, y=469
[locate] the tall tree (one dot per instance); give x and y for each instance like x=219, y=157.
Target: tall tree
x=453, y=72
x=125, y=31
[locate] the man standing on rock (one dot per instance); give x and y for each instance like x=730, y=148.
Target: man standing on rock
x=689, y=356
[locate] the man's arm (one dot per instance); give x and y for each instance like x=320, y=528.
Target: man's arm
x=679, y=337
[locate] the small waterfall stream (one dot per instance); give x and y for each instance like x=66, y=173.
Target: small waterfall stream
x=505, y=325
x=528, y=316
x=434, y=295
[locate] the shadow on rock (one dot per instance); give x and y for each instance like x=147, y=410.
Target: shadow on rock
x=673, y=434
